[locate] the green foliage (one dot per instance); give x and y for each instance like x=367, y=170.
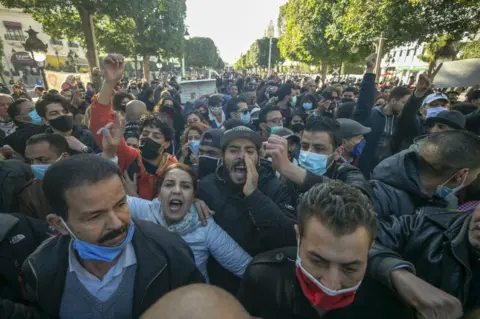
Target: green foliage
x=443, y=47
x=471, y=50
x=201, y=52
x=257, y=55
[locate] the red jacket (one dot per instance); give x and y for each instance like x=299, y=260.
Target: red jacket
x=101, y=115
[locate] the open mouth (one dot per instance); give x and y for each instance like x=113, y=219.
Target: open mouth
x=175, y=205
x=240, y=171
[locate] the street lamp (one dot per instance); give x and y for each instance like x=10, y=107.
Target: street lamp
x=270, y=34
x=187, y=36
x=35, y=46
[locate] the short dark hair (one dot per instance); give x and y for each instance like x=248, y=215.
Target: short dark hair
x=310, y=97
x=179, y=166
x=345, y=110
x=327, y=125
x=48, y=99
x=232, y=106
x=385, y=88
x=13, y=109
x=350, y=89
x=231, y=123
x=215, y=101
x=40, y=88
x=464, y=108
x=447, y=152
x=150, y=120
x=118, y=98
x=262, y=115
x=474, y=95
x=56, y=141
x=398, y=93
x=84, y=169
x=341, y=208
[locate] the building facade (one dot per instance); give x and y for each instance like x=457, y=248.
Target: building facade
x=18, y=64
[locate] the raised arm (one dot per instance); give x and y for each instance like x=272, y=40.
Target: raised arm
x=366, y=97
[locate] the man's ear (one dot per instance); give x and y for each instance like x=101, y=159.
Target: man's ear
x=338, y=152
x=461, y=175
x=65, y=156
x=45, y=121
x=164, y=147
x=56, y=222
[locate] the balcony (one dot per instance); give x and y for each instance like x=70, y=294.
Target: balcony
x=56, y=42
x=15, y=37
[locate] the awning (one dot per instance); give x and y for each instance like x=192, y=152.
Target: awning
x=12, y=24
x=413, y=68
x=22, y=58
x=52, y=60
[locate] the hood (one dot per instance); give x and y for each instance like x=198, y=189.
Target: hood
x=400, y=171
x=7, y=222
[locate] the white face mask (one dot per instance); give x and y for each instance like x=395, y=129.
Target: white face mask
x=326, y=290
x=216, y=110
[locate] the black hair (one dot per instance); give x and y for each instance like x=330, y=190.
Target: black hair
x=117, y=100
x=464, y=108
x=215, y=101
x=231, y=123
x=13, y=109
x=341, y=208
x=232, y=106
x=76, y=171
x=56, y=141
x=398, y=93
x=350, y=89
x=284, y=90
x=48, y=99
x=345, y=110
x=474, y=95
x=327, y=125
x=150, y=120
x=385, y=88
x=262, y=115
x=440, y=152
x=310, y=97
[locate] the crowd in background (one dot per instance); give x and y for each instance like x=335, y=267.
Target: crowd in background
x=302, y=198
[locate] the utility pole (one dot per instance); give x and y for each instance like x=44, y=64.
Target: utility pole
x=381, y=44
x=270, y=34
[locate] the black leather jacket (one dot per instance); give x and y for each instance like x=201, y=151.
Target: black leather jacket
x=164, y=263
x=433, y=245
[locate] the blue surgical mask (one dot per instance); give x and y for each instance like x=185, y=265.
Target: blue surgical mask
x=433, y=111
x=307, y=106
x=358, y=149
x=448, y=194
x=39, y=170
x=88, y=251
x=315, y=163
x=245, y=118
x=275, y=129
x=36, y=119
x=194, y=146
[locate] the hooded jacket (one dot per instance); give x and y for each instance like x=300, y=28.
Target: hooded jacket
x=260, y=222
x=397, y=186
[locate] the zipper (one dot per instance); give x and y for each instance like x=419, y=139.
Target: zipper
x=151, y=282
x=469, y=273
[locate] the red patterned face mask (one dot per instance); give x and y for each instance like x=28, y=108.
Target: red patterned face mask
x=320, y=296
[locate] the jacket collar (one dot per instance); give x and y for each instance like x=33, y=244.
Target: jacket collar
x=46, y=268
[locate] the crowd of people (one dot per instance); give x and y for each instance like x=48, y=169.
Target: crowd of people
x=271, y=198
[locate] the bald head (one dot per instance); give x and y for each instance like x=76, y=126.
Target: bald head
x=134, y=110
x=197, y=301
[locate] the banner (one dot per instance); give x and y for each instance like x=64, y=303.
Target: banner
x=56, y=79
x=199, y=88
x=462, y=73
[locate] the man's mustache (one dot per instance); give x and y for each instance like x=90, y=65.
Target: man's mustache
x=112, y=234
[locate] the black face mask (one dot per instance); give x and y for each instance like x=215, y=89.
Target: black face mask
x=297, y=128
x=149, y=149
x=206, y=165
x=62, y=123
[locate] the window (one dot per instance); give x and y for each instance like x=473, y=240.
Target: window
x=408, y=53
x=14, y=33
x=400, y=55
x=56, y=41
x=73, y=45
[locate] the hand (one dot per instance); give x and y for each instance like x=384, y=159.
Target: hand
x=112, y=136
x=75, y=144
x=429, y=301
x=370, y=62
x=425, y=81
x=194, y=158
x=130, y=186
x=203, y=211
x=251, y=183
x=277, y=149
x=114, y=68
x=6, y=151
x=185, y=149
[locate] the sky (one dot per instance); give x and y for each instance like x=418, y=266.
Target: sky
x=232, y=24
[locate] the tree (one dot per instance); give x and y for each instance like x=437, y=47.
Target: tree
x=471, y=50
x=259, y=53
x=201, y=52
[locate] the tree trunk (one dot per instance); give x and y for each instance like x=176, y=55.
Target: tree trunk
x=86, y=19
x=146, y=67
x=324, y=71
x=136, y=66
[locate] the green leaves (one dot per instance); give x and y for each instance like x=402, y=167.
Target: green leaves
x=257, y=55
x=202, y=52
